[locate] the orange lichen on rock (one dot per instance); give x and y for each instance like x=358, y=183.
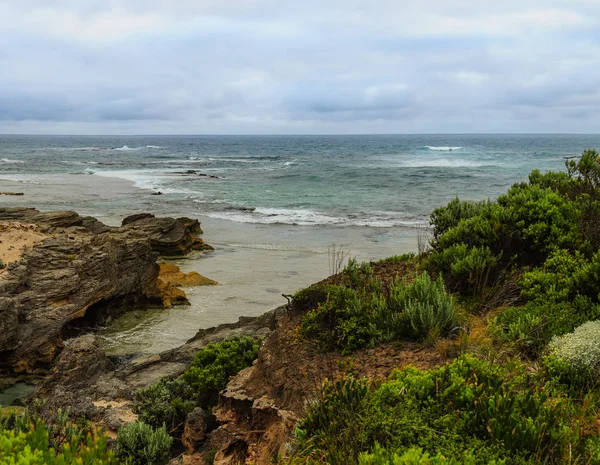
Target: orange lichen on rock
x=170, y=273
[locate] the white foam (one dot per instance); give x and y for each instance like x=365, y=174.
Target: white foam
x=443, y=163
x=140, y=179
x=147, y=180
x=125, y=148
x=238, y=160
x=8, y=160
x=154, y=147
x=441, y=148
x=303, y=217
x=24, y=178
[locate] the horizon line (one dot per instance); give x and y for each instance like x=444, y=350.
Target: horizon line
x=313, y=134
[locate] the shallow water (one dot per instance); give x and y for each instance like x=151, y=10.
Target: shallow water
x=15, y=392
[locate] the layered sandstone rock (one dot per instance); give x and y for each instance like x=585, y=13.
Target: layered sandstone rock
x=78, y=273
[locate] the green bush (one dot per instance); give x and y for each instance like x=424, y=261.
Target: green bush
x=445, y=218
x=469, y=411
x=554, y=213
x=344, y=321
x=531, y=327
x=404, y=258
x=34, y=447
x=144, y=445
x=365, y=315
x=414, y=456
x=212, y=367
x=426, y=306
x=169, y=401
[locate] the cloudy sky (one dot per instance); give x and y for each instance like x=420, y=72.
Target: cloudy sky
x=288, y=66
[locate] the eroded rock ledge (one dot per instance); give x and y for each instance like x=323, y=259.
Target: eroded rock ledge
x=78, y=272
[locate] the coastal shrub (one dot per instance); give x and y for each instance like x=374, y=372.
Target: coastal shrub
x=359, y=274
x=574, y=358
x=168, y=402
x=444, y=218
x=365, y=315
x=542, y=221
x=212, y=367
x=344, y=321
x=470, y=411
x=413, y=456
x=531, y=327
x=144, y=445
x=308, y=298
x=556, y=214
x=425, y=305
x=469, y=268
x=404, y=258
x=34, y=447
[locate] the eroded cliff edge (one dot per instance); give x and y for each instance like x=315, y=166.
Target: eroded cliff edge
x=62, y=271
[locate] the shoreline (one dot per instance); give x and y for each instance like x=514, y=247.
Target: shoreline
x=255, y=263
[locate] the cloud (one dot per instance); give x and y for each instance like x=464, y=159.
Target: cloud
x=267, y=66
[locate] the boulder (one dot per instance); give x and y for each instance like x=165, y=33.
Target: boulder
x=169, y=237
x=195, y=430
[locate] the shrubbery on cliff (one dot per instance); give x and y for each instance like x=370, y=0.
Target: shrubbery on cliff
x=168, y=402
x=532, y=258
x=361, y=312
x=543, y=236
x=469, y=411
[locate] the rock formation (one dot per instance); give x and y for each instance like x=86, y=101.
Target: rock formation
x=77, y=275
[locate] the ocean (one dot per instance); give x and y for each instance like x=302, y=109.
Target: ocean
x=272, y=205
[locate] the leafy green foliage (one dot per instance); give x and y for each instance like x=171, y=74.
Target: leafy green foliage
x=546, y=232
x=445, y=218
x=36, y=444
x=361, y=313
x=414, y=456
x=522, y=227
x=169, y=401
x=144, y=445
x=404, y=258
x=214, y=365
x=469, y=411
x=426, y=305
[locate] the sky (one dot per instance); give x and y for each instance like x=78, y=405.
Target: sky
x=299, y=67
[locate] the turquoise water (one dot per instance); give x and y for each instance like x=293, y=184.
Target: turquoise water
x=363, y=181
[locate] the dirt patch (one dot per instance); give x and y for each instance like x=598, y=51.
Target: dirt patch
x=15, y=238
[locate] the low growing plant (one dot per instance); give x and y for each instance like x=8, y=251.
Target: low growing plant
x=144, y=445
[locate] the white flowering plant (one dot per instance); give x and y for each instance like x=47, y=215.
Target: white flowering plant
x=574, y=358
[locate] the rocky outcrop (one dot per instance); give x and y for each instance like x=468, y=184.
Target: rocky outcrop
x=81, y=272
x=169, y=237
x=195, y=430
x=101, y=389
